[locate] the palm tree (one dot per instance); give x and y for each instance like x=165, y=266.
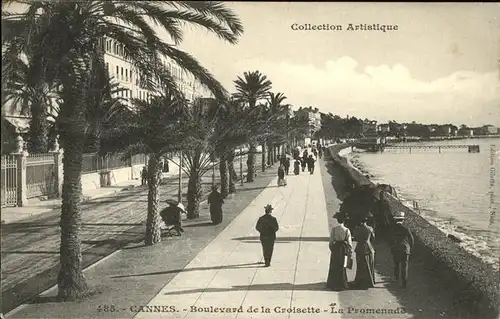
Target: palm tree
x=64, y=36
x=253, y=87
x=26, y=93
x=152, y=128
x=234, y=123
x=197, y=154
x=275, y=108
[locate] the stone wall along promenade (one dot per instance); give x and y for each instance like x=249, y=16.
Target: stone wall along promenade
x=473, y=283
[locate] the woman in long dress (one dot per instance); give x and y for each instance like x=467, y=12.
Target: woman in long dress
x=365, y=256
x=340, y=248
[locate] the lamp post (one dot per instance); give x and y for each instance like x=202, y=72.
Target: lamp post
x=213, y=170
x=179, y=194
x=241, y=166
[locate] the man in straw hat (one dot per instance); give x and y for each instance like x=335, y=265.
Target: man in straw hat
x=267, y=226
x=401, y=246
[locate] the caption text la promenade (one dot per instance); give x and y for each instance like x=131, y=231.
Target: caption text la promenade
x=348, y=27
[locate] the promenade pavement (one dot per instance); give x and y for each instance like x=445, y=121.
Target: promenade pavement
x=227, y=279
x=228, y=275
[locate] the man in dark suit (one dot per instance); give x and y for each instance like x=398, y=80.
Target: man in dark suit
x=401, y=246
x=267, y=226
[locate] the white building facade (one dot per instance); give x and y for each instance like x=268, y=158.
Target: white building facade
x=128, y=78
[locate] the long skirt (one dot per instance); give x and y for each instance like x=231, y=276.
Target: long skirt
x=216, y=214
x=337, y=274
x=365, y=271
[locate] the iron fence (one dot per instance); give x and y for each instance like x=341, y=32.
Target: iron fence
x=8, y=177
x=40, y=175
x=93, y=163
x=138, y=159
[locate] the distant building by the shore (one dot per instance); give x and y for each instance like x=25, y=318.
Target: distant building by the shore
x=369, y=127
x=383, y=128
x=313, y=116
x=490, y=129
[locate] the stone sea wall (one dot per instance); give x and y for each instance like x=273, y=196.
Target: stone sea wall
x=474, y=284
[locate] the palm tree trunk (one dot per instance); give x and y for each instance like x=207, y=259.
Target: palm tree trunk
x=251, y=162
x=232, y=171
x=270, y=156
x=263, y=162
x=194, y=187
x=194, y=195
x=71, y=281
x=153, y=220
x=38, y=141
x=224, y=181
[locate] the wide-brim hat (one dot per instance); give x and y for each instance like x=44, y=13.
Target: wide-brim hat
x=399, y=215
x=172, y=202
x=268, y=207
x=181, y=207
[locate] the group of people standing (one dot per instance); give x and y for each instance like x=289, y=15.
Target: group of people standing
x=401, y=242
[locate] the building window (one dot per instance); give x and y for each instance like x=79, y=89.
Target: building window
x=130, y=76
x=126, y=75
x=107, y=66
x=117, y=71
x=122, y=73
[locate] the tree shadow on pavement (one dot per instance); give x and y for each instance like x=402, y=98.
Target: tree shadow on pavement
x=112, y=224
x=252, y=239
x=173, y=271
x=316, y=286
x=254, y=188
x=204, y=224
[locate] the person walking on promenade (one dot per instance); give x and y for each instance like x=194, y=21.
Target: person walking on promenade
x=320, y=151
x=281, y=175
x=340, y=244
x=296, y=167
x=287, y=165
x=267, y=226
x=166, y=168
x=144, y=175
x=382, y=215
x=305, y=156
x=310, y=164
x=401, y=247
x=303, y=163
x=365, y=256
x=215, y=201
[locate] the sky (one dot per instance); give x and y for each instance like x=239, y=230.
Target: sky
x=440, y=66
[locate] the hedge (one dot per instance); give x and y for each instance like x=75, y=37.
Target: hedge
x=474, y=283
